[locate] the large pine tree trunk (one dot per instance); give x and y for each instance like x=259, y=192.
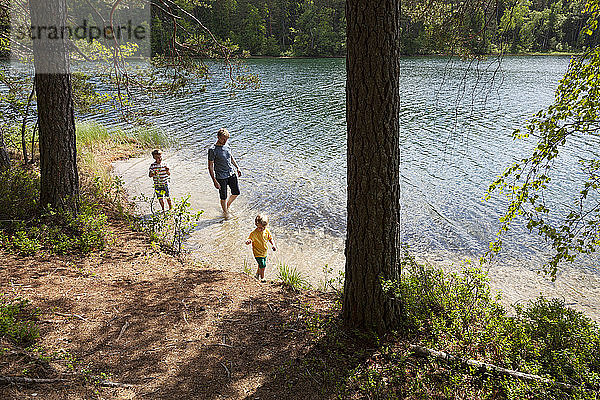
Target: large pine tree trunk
x=58, y=155
x=372, y=112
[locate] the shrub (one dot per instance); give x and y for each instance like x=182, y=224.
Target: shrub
x=456, y=312
x=19, y=192
x=58, y=232
x=17, y=321
x=24, y=245
x=67, y=233
x=446, y=306
x=171, y=228
x=558, y=341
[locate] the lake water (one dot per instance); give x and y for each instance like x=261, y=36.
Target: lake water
x=289, y=137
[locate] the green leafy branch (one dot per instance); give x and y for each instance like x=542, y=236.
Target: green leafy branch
x=574, y=113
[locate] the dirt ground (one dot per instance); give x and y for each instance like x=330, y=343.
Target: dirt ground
x=134, y=315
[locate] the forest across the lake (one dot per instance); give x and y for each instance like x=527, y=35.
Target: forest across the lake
x=317, y=28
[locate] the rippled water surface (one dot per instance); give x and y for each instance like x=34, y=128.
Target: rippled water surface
x=289, y=137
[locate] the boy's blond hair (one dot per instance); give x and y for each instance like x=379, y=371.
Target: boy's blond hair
x=223, y=132
x=261, y=220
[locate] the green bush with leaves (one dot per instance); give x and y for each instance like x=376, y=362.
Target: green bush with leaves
x=57, y=232
x=24, y=230
x=556, y=341
x=442, y=305
x=171, y=228
x=23, y=244
x=19, y=193
x=457, y=313
x=17, y=321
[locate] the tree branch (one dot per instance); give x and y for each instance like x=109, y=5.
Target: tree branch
x=490, y=368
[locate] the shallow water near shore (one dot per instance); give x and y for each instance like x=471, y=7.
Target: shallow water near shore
x=289, y=138
x=220, y=242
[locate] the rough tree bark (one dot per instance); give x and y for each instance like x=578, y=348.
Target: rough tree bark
x=58, y=155
x=372, y=112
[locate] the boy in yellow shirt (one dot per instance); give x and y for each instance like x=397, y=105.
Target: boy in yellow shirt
x=259, y=239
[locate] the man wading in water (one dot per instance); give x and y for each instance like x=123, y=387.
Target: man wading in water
x=221, y=169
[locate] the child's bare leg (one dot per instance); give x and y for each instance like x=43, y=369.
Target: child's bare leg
x=224, y=206
x=169, y=201
x=261, y=272
x=162, y=203
x=231, y=199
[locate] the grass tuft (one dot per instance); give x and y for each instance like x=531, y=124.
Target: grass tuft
x=291, y=277
x=247, y=268
x=151, y=137
x=93, y=135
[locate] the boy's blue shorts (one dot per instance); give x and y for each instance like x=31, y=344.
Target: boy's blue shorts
x=262, y=262
x=161, y=191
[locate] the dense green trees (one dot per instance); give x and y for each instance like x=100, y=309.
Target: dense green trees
x=278, y=27
x=317, y=27
x=544, y=25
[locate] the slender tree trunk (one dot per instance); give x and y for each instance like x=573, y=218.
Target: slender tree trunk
x=4, y=158
x=58, y=154
x=24, y=128
x=372, y=112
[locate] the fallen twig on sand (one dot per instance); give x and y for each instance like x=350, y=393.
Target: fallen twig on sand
x=226, y=369
x=123, y=328
x=115, y=384
x=11, y=380
x=72, y=315
x=219, y=344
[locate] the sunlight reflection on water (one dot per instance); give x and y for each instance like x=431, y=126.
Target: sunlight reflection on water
x=289, y=137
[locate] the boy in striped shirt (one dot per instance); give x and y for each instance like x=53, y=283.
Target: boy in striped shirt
x=160, y=172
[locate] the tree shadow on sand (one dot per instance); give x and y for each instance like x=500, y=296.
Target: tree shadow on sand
x=204, y=334
x=267, y=352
